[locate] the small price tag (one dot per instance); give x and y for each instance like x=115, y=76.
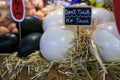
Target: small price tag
x=17, y=10
x=77, y=15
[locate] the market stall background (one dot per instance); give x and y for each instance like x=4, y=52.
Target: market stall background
x=47, y=49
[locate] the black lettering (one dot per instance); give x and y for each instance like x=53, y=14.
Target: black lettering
x=17, y=2
x=17, y=13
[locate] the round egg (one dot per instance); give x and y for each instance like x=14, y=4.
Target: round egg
x=3, y=30
x=8, y=43
x=30, y=25
x=56, y=42
x=53, y=18
x=101, y=15
x=107, y=39
x=29, y=44
x=11, y=26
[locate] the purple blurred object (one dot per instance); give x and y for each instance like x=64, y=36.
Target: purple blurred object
x=75, y=1
x=66, y=4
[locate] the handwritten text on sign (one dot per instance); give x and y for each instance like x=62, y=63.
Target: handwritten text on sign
x=17, y=9
x=77, y=15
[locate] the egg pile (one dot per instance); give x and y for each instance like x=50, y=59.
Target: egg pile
x=43, y=29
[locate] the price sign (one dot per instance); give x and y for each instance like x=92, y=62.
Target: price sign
x=17, y=9
x=77, y=16
x=116, y=7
